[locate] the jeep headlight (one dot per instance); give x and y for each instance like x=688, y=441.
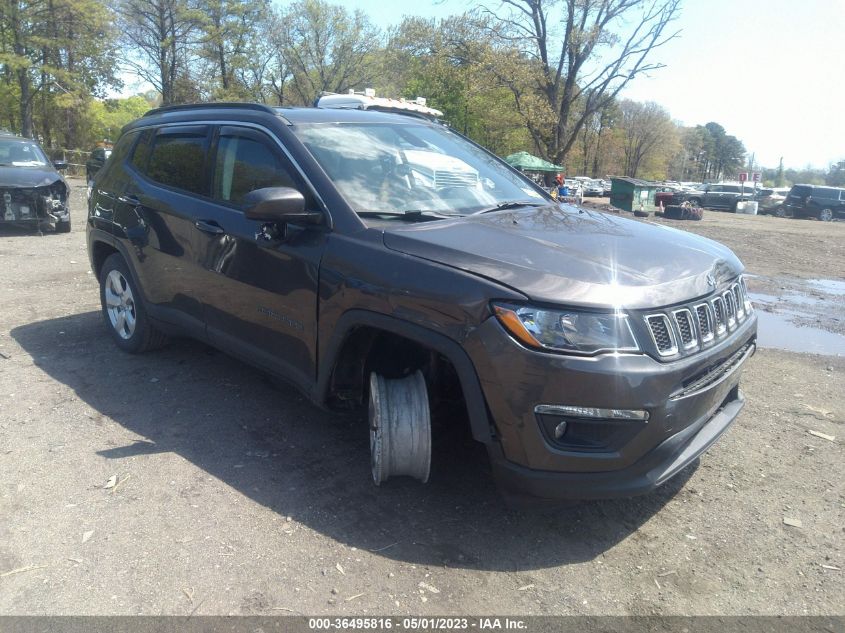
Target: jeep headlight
x=564, y=330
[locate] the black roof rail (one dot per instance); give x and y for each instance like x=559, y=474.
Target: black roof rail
x=219, y=105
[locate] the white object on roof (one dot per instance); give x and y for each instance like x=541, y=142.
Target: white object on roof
x=368, y=100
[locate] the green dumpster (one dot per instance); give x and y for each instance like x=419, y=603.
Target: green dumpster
x=631, y=194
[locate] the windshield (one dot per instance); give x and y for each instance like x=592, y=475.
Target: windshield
x=21, y=153
x=396, y=169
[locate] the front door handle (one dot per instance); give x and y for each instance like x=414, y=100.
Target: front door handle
x=209, y=226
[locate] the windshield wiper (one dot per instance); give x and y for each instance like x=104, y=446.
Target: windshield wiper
x=410, y=214
x=513, y=204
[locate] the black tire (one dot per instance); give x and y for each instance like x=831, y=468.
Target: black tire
x=696, y=202
x=63, y=227
x=780, y=211
x=141, y=336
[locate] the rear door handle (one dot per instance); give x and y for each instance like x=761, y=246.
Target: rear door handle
x=209, y=226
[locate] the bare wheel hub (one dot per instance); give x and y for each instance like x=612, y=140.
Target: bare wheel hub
x=400, y=427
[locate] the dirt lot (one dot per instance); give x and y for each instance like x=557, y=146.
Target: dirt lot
x=235, y=495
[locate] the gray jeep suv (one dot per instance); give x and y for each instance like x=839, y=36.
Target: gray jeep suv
x=385, y=263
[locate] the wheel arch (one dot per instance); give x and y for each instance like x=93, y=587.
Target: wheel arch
x=350, y=346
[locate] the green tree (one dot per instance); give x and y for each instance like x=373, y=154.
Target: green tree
x=323, y=48
x=54, y=55
x=836, y=174
x=228, y=45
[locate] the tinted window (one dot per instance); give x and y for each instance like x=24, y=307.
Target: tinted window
x=800, y=191
x=178, y=160
x=121, y=150
x=142, y=150
x=245, y=164
x=826, y=193
x=715, y=189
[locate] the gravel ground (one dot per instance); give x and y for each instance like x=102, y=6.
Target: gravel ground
x=234, y=495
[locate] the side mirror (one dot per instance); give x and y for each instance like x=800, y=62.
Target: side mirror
x=60, y=164
x=278, y=204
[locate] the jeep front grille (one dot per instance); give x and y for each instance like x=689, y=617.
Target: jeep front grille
x=686, y=329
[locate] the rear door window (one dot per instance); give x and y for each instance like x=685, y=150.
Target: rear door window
x=178, y=158
x=120, y=152
x=827, y=193
x=800, y=191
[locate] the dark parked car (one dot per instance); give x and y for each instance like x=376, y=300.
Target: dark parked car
x=721, y=195
x=32, y=191
x=824, y=203
x=386, y=263
x=95, y=162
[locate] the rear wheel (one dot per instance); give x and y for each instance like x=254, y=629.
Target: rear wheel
x=123, y=309
x=780, y=211
x=400, y=427
x=825, y=215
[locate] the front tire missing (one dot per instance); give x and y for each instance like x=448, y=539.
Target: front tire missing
x=400, y=427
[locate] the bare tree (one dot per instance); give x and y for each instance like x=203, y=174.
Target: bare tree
x=581, y=56
x=157, y=35
x=647, y=125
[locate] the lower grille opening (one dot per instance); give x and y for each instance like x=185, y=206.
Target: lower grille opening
x=712, y=374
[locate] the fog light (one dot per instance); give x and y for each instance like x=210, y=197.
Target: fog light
x=591, y=412
x=560, y=429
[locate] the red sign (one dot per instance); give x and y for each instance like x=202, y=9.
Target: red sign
x=743, y=176
x=756, y=176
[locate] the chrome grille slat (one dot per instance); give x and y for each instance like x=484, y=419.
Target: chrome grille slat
x=705, y=322
x=730, y=308
x=740, y=304
x=662, y=334
x=719, y=315
x=686, y=328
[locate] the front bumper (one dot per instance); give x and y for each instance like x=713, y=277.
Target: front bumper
x=657, y=467
x=31, y=206
x=686, y=415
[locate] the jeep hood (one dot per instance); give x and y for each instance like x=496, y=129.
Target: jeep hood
x=27, y=177
x=575, y=257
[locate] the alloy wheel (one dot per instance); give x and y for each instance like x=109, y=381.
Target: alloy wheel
x=120, y=304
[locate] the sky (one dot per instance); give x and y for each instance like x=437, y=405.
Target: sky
x=771, y=72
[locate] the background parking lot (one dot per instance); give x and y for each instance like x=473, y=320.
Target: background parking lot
x=185, y=482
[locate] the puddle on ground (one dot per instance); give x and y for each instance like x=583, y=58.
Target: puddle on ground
x=780, y=327
x=832, y=286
